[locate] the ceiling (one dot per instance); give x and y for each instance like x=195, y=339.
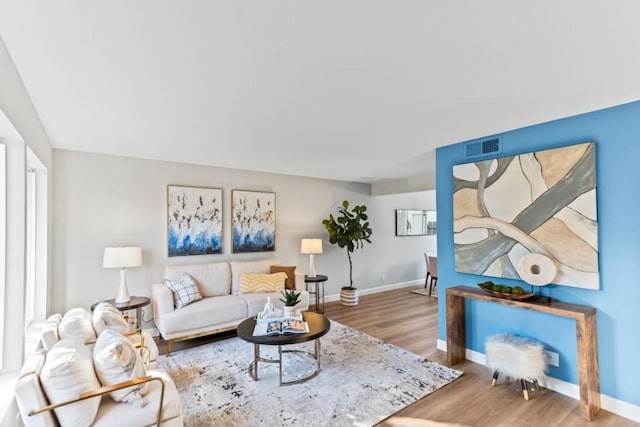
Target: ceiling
x=350, y=90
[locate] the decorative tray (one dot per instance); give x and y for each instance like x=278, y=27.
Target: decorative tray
x=515, y=297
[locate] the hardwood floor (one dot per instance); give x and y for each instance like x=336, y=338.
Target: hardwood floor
x=410, y=321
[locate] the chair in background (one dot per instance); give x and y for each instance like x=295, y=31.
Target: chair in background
x=432, y=272
x=426, y=261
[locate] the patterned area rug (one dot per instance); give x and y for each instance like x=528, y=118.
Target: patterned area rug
x=362, y=381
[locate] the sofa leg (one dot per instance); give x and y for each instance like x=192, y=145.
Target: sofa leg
x=169, y=343
x=495, y=378
x=525, y=392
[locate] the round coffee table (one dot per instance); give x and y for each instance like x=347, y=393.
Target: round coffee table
x=318, y=326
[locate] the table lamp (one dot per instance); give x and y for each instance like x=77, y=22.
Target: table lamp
x=311, y=247
x=122, y=258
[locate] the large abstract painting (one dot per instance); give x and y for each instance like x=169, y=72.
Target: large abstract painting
x=194, y=220
x=254, y=221
x=530, y=217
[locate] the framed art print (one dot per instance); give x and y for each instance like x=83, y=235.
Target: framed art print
x=194, y=225
x=254, y=221
x=531, y=217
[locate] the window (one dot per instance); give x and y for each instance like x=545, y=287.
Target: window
x=30, y=279
x=35, y=301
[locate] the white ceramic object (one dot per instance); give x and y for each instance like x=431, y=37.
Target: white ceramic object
x=537, y=269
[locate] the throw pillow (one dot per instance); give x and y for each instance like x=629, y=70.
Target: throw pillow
x=106, y=316
x=290, y=271
x=76, y=324
x=253, y=267
x=184, y=291
x=49, y=336
x=115, y=361
x=67, y=373
x=250, y=283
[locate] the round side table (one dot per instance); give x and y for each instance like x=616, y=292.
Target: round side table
x=134, y=303
x=318, y=289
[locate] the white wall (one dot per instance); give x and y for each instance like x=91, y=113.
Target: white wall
x=110, y=201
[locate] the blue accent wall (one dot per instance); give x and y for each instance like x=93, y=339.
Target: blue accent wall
x=616, y=132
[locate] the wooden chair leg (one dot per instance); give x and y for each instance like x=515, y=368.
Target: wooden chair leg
x=426, y=280
x=537, y=386
x=434, y=280
x=494, y=381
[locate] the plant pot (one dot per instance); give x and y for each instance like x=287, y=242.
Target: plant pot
x=349, y=296
x=289, y=310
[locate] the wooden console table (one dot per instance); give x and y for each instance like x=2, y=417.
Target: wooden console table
x=584, y=316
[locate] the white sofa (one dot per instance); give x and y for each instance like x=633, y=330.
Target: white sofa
x=31, y=396
x=74, y=380
x=222, y=307
x=83, y=327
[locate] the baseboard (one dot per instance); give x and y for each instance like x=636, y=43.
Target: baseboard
x=608, y=403
x=368, y=291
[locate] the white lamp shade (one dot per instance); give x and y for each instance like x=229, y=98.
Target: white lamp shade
x=311, y=246
x=122, y=257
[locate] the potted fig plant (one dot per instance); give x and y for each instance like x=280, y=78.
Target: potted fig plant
x=350, y=230
x=290, y=298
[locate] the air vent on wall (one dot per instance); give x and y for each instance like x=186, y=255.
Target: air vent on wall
x=483, y=147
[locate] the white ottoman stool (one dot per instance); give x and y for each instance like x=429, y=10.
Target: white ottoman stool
x=516, y=357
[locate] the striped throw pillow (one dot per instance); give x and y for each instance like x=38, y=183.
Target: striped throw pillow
x=250, y=283
x=184, y=291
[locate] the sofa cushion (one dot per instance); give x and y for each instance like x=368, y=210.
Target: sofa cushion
x=212, y=279
x=115, y=360
x=206, y=313
x=68, y=372
x=49, y=336
x=55, y=318
x=251, y=283
x=184, y=291
x=290, y=271
x=106, y=316
x=255, y=267
x=76, y=324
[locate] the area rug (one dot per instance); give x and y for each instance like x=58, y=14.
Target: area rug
x=362, y=381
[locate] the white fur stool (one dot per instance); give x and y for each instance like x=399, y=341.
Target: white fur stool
x=516, y=357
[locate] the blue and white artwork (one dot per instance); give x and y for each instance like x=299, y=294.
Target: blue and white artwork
x=254, y=221
x=194, y=220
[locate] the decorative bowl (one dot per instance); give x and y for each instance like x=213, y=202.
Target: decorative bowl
x=514, y=297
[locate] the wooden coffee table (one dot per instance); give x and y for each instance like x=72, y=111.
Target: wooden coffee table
x=318, y=326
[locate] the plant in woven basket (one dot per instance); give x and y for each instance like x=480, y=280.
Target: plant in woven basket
x=350, y=230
